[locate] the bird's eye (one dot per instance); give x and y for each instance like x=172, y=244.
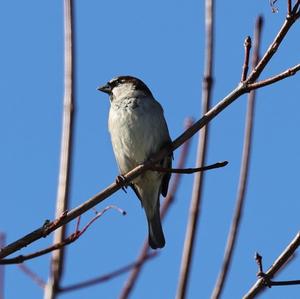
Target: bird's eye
x=118, y=82
x=114, y=83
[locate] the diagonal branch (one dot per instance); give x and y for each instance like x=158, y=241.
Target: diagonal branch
x=241, y=89
x=296, y=7
x=267, y=280
x=105, y=277
x=57, y=246
x=243, y=180
x=288, y=23
x=38, y=280
x=276, y=266
x=288, y=73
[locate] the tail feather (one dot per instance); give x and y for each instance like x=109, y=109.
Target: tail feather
x=156, y=235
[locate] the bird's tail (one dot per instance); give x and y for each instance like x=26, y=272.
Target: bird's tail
x=156, y=235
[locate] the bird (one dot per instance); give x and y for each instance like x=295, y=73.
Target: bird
x=138, y=129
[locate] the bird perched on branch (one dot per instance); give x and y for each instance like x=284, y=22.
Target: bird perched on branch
x=138, y=129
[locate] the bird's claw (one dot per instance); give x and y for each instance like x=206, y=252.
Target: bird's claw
x=120, y=179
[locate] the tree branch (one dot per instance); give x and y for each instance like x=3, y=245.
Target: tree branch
x=105, y=277
x=288, y=73
x=289, y=7
x=267, y=280
x=289, y=21
x=276, y=266
x=195, y=204
x=247, y=46
x=63, y=192
x=296, y=7
x=39, y=281
x=188, y=170
x=72, y=238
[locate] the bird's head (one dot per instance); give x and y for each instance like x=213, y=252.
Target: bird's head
x=124, y=86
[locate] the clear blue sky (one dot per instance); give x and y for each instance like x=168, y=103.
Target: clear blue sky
x=160, y=42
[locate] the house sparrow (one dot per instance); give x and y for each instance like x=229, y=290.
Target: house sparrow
x=138, y=129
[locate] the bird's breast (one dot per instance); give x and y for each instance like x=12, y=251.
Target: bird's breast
x=137, y=130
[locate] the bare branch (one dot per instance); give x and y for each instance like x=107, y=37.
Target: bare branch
x=241, y=89
x=267, y=280
x=240, y=197
x=195, y=205
x=289, y=7
x=189, y=170
x=258, y=259
x=247, y=46
x=272, y=48
x=288, y=73
x=295, y=8
x=57, y=261
x=130, y=283
x=105, y=277
x=72, y=238
x=39, y=281
x=272, y=283
x=276, y=266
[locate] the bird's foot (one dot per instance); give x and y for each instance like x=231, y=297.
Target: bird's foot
x=120, y=179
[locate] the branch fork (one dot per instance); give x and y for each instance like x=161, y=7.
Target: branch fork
x=267, y=278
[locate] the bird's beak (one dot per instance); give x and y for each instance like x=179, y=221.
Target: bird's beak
x=105, y=88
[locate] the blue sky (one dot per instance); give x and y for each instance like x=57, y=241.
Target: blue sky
x=160, y=42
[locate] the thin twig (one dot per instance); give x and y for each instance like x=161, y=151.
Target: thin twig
x=63, y=192
x=272, y=48
x=272, y=283
x=242, y=88
x=276, y=266
x=72, y=238
x=195, y=205
x=98, y=215
x=267, y=280
x=287, y=73
x=289, y=7
x=243, y=180
x=258, y=259
x=295, y=8
x=131, y=281
x=105, y=277
x=247, y=46
x=38, y=280
x=189, y=170
x=78, y=223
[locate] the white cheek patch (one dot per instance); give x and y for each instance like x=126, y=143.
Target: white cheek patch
x=122, y=90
